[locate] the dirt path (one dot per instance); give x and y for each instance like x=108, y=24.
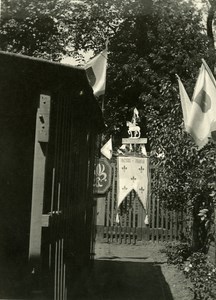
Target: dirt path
x=133, y=272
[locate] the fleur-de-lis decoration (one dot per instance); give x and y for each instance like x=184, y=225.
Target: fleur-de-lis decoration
x=133, y=178
x=142, y=189
x=141, y=169
x=100, y=175
x=124, y=168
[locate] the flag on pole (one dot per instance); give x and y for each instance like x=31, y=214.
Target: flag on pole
x=96, y=73
x=202, y=120
x=185, y=102
x=106, y=150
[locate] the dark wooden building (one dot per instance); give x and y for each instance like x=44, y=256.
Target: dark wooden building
x=49, y=122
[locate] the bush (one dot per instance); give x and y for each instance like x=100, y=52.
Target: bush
x=177, y=253
x=203, y=276
x=196, y=267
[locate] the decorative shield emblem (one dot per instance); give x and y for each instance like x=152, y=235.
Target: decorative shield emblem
x=103, y=176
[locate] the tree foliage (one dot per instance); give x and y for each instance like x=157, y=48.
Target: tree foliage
x=149, y=42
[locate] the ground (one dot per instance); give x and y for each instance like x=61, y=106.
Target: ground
x=133, y=272
x=125, y=272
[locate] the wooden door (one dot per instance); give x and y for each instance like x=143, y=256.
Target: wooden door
x=62, y=210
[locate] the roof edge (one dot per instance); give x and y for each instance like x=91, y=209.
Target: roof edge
x=42, y=60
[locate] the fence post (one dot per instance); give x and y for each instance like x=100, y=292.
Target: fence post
x=100, y=217
x=40, y=152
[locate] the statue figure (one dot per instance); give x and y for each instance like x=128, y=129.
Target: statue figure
x=133, y=128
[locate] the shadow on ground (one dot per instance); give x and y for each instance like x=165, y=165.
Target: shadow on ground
x=14, y=282
x=118, y=280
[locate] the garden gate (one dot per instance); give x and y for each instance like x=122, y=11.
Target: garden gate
x=50, y=121
x=164, y=225
x=63, y=190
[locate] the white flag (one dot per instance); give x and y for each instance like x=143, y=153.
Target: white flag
x=202, y=120
x=185, y=102
x=96, y=73
x=106, y=150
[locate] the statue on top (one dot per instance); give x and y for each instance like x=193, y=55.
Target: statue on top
x=133, y=128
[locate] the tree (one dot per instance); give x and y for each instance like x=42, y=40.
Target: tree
x=149, y=42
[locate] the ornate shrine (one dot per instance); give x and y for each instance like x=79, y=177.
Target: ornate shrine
x=132, y=165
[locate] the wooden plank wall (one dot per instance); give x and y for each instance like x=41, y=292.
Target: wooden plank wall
x=163, y=225
x=66, y=242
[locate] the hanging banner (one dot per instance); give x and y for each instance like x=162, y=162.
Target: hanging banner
x=133, y=175
x=103, y=176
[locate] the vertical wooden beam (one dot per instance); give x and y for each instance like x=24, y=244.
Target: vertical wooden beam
x=41, y=139
x=56, y=272
x=113, y=200
x=175, y=225
x=157, y=219
x=100, y=217
x=130, y=218
x=162, y=224
x=182, y=223
x=171, y=225
x=135, y=198
x=64, y=283
x=153, y=218
x=139, y=221
x=149, y=202
x=166, y=225
x=108, y=218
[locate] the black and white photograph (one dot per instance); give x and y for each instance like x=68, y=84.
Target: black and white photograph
x=107, y=150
